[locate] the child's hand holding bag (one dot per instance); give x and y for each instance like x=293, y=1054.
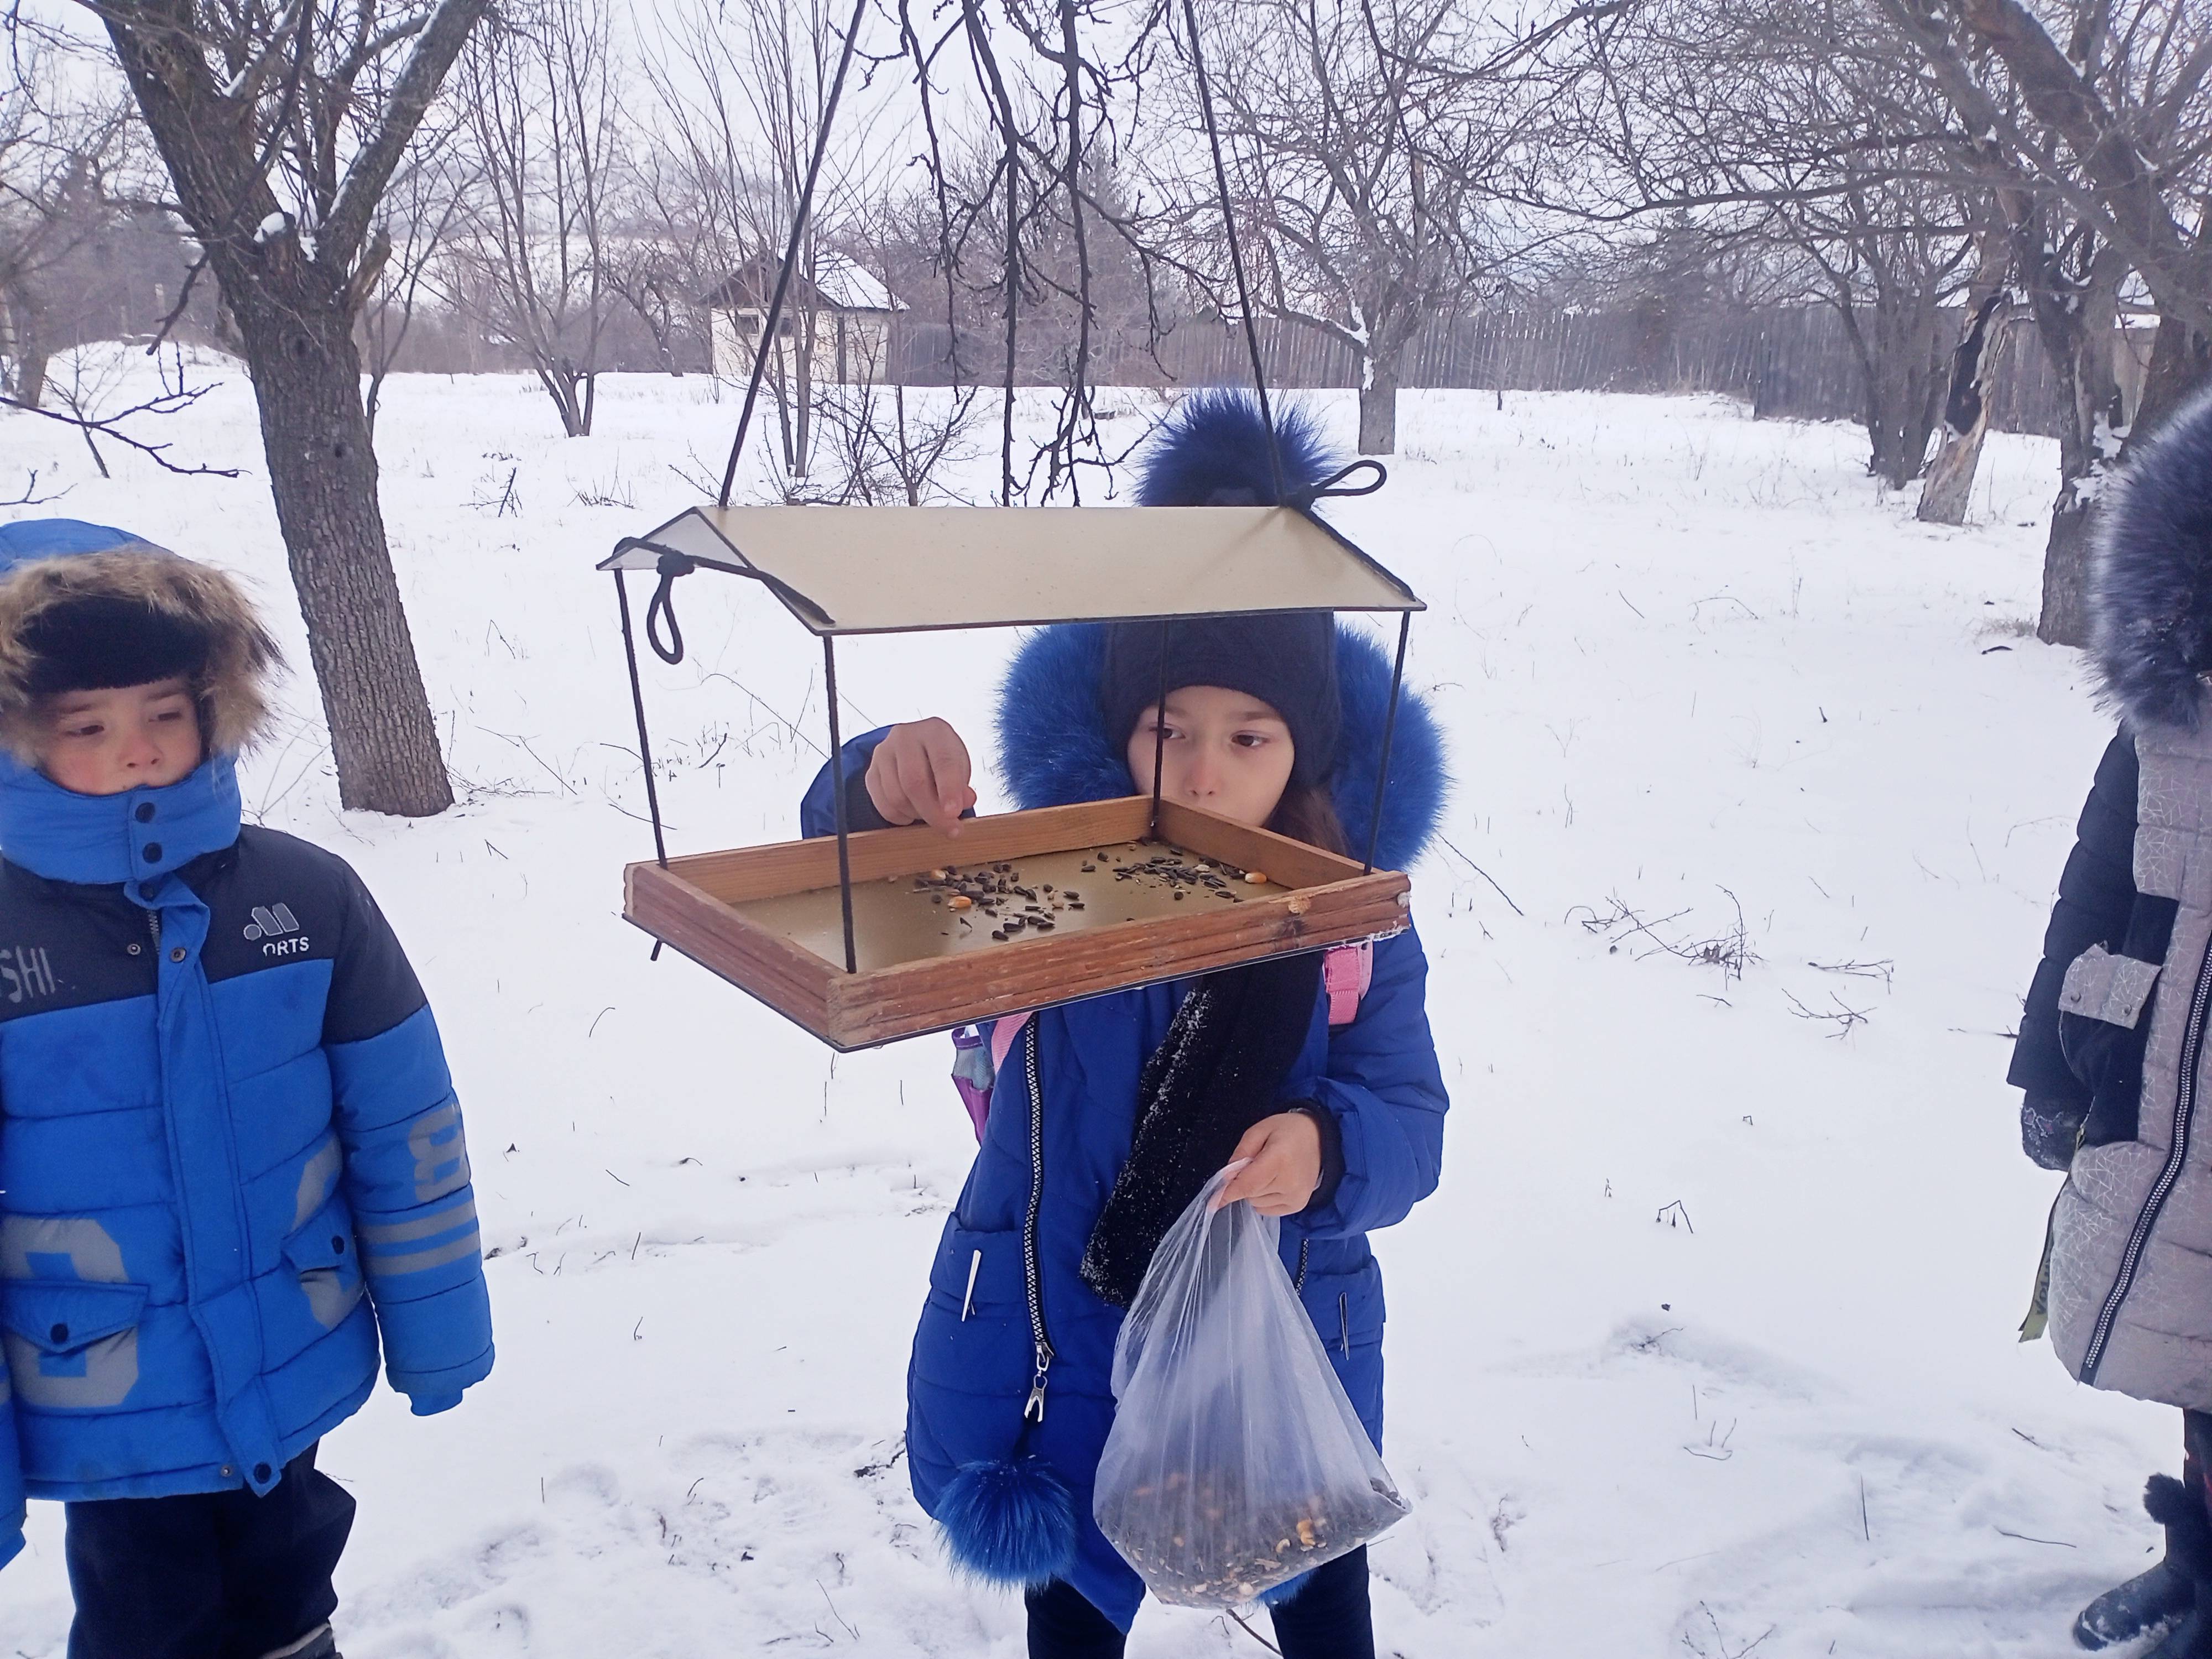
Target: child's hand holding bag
x=1235, y=1462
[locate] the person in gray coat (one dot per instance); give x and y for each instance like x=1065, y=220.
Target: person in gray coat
x=2111, y=1052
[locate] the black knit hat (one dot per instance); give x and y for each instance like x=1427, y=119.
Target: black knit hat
x=1287, y=660
x=99, y=642
x=1214, y=452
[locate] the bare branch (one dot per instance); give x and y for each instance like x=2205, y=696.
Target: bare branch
x=109, y=426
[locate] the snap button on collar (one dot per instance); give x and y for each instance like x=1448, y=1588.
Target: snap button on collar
x=145, y=812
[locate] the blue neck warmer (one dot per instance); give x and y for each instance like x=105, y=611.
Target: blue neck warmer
x=132, y=839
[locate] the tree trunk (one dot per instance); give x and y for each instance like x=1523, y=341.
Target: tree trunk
x=560, y=383
x=1901, y=363
x=31, y=374
x=1378, y=402
x=322, y=471
x=1950, y=483
x=295, y=314
x=22, y=343
x=2180, y=362
x=803, y=361
x=2076, y=327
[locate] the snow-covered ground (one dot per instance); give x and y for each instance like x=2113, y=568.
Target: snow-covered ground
x=1706, y=1345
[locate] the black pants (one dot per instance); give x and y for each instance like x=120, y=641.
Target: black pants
x=1327, y=1619
x=217, y=1574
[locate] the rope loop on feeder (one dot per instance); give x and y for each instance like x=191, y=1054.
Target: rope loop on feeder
x=1335, y=486
x=662, y=609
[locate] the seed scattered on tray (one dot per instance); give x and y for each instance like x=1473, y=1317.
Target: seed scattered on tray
x=1012, y=907
x=1257, y=878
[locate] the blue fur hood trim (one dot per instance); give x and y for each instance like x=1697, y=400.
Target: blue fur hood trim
x=1053, y=748
x=2151, y=585
x=1212, y=450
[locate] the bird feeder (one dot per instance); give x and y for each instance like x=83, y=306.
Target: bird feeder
x=868, y=937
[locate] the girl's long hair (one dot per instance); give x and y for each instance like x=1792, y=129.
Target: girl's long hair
x=1307, y=813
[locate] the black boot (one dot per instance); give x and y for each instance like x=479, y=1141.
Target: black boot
x=2166, y=1592
x=2189, y=1548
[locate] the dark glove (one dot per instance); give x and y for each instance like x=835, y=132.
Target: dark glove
x=2049, y=1131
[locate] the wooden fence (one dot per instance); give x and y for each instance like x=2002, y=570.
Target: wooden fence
x=1795, y=363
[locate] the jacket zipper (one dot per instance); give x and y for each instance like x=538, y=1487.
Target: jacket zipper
x=2184, y=1111
x=1034, y=1411
x=1305, y=1249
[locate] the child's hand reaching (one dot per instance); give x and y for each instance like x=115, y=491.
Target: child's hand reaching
x=920, y=774
x=1285, y=1167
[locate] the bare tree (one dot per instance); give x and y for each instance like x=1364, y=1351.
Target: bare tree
x=1361, y=140
x=1988, y=311
x=1806, y=125
x=58, y=154
x=743, y=96
x=281, y=125
x=2102, y=155
x=540, y=97
x=656, y=268
x=425, y=204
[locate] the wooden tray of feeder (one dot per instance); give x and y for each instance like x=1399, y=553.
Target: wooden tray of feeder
x=1017, y=912
x=1017, y=920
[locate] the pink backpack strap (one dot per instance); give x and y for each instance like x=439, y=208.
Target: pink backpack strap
x=1003, y=1033
x=1347, y=971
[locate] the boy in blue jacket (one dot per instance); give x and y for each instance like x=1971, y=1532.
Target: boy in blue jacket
x=230, y=1154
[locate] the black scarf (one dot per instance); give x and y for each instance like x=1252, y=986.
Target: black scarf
x=1219, y=1071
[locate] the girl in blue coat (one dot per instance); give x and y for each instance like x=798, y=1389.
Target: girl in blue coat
x=231, y=1161
x=1106, y=1115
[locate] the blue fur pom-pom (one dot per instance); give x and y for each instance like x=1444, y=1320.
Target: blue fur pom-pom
x=1008, y=1522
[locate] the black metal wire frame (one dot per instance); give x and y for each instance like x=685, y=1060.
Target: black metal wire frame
x=1236, y=253
x=837, y=791
x=1389, y=731
x=1160, y=730
x=791, y=251
x=794, y=600
x=637, y=706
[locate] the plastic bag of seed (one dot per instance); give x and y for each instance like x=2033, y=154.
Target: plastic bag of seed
x=1234, y=1462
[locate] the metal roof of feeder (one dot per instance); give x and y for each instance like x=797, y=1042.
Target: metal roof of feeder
x=897, y=569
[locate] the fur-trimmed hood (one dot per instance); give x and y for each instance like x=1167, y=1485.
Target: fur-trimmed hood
x=1054, y=749
x=47, y=563
x=2151, y=585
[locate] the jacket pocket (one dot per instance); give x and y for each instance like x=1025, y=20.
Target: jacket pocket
x=1346, y=1307
x=2103, y=986
x=72, y=1344
x=2100, y=1015
x=974, y=1332
x=327, y=1260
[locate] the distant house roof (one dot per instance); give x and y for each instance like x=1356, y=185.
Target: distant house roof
x=838, y=285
